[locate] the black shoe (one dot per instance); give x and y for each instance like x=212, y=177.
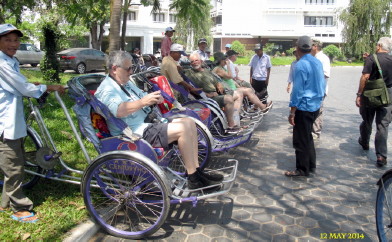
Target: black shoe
x=196, y=181
x=210, y=175
x=381, y=161
x=364, y=146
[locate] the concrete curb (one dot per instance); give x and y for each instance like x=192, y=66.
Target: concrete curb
x=82, y=232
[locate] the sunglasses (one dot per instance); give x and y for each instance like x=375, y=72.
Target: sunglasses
x=128, y=69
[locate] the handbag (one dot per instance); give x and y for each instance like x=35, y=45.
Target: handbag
x=375, y=91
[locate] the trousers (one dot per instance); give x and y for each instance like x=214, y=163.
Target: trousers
x=260, y=89
x=12, y=166
x=383, y=117
x=305, y=153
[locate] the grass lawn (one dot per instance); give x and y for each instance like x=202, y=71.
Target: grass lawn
x=59, y=205
x=281, y=61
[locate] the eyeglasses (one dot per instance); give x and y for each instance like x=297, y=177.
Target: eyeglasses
x=128, y=69
x=193, y=61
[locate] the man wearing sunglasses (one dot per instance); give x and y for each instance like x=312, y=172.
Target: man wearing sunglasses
x=127, y=102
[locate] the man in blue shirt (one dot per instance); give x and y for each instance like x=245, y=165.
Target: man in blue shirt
x=306, y=97
x=260, y=69
x=13, y=87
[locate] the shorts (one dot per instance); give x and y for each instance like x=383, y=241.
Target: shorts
x=156, y=135
x=220, y=99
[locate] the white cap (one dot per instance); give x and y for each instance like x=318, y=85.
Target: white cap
x=169, y=29
x=176, y=47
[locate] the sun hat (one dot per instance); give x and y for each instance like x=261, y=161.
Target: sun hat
x=231, y=53
x=218, y=57
x=8, y=28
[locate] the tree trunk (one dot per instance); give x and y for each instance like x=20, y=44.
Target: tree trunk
x=94, y=37
x=115, y=22
x=124, y=23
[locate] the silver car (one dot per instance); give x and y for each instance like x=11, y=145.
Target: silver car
x=81, y=60
x=29, y=54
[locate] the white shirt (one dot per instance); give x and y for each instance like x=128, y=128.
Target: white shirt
x=203, y=54
x=326, y=67
x=232, y=69
x=13, y=87
x=259, y=66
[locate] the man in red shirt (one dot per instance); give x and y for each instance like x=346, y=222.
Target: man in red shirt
x=167, y=42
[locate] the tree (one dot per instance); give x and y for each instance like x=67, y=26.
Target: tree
x=115, y=22
x=238, y=47
x=364, y=23
x=49, y=64
x=193, y=21
x=11, y=8
x=332, y=51
x=91, y=14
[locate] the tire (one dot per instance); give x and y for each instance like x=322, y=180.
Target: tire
x=125, y=196
x=81, y=68
x=204, y=153
x=384, y=209
x=216, y=127
x=30, y=146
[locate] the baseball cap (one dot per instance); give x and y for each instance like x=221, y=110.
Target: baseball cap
x=258, y=47
x=231, y=53
x=169, y=29
x=228, y=45
x=176, y=47
x=8, y=28
x=304, y=42
x=202, y=40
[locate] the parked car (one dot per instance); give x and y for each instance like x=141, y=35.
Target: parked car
x=29, y=54
x=81, y=60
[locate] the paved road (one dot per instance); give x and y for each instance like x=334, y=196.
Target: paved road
x=265, y=205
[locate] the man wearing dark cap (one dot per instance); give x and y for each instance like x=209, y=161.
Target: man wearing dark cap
x=260, y=69
x=202, y=43
x=13, y=87
x=167, y=42
x=306, y=97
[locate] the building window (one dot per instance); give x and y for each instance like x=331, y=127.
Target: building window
x=320, y=2
x=217, y=20
x=172, y=18
x=158, y=17
x=132, y=15
x=318, y=21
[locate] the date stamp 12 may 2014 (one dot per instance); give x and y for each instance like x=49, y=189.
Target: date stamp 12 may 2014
x=342, y=236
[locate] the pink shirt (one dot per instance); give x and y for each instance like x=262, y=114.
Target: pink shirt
x=165, y=46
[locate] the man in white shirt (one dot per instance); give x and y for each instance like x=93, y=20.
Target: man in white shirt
x=260, y=69
x=318, y=53
x=202, y=43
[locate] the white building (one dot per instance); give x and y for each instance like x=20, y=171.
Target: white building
x=277, y=21
x=146, y=30
x=249, y=21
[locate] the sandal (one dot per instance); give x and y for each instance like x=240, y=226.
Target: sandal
x=23, y=218
x=268, y=108
x=295, y=173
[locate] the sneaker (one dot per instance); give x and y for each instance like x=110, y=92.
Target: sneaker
x=210, y=175
x=196, y=181
x=364, y=146
x=381, y=161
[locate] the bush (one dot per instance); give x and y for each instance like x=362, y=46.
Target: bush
x=332, y=51
x=238, y=47
x=290, y=51
x=269, y=48
x=50, y=66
